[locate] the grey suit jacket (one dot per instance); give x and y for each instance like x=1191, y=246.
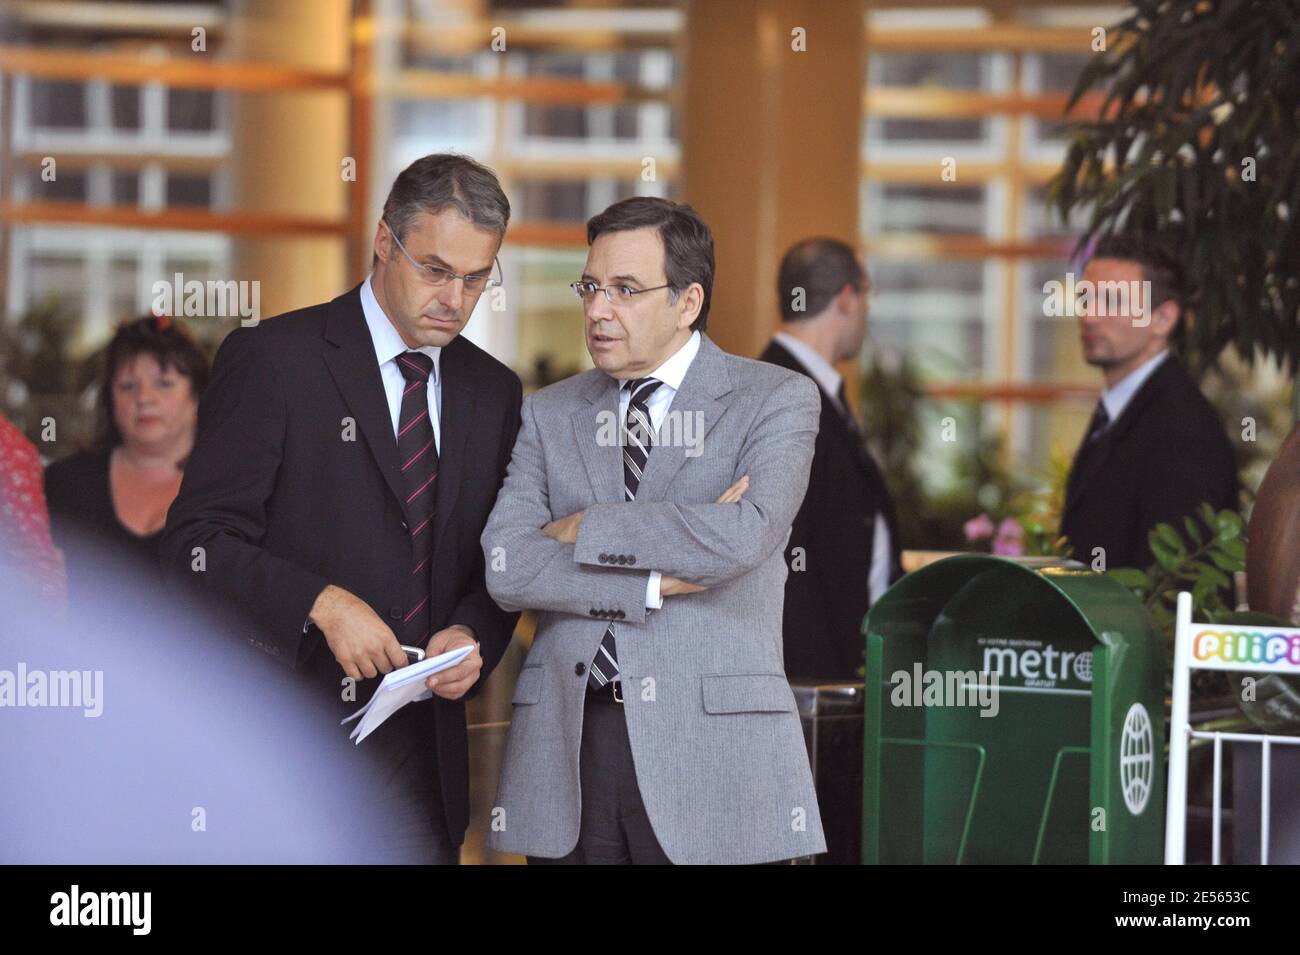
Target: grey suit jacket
x=716, y=740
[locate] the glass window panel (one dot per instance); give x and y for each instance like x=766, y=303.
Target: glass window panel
x=123, y=288
x=126, y=188
x=56, y=104
x=67, y=184
x=125, y=105
x=1053, y=72
x=568, y=200
x=906, y=130
x=198, y=267
x=1053, y=339
x=414, y=57
x=1039, y=221
x=191, y=110
x=1045, y=139
x=943, y=463
x=947, y=71
x=185, y=190
x=453, y=121
x=552, y=342
x=555, y=122
x=552, y=199
x=56, y=277
x=1054, y=432
x=902, y=207
x=551, y=63
x=932, y=311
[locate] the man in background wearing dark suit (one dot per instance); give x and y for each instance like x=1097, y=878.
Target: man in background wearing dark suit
x=347, y=457
x=1155, y=447
x=843, y=550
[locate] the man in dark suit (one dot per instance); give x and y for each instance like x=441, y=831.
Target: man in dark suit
x=1155, y=448
x=843, y=550
x=347, y=457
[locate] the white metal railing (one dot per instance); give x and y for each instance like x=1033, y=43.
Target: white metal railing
x=1206, y=646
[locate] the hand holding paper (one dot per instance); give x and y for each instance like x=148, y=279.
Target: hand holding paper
x=402, y=686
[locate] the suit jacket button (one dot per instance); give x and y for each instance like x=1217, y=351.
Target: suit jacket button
x=395, y=613
x=631, y=558
x=620, y=559
x=593, y=612
x=620, y=614
x=579, y=669
x=603, y=558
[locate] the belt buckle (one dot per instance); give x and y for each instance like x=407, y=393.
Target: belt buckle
x=618, y=690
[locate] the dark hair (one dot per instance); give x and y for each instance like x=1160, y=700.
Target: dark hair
x=688, y=243
x=447, y=181
x=161, y=337
x=821, y=267
x=1159, y=267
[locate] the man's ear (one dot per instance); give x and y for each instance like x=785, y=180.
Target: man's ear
x=692, y=300
x=1165, y=317
x=844, y=299
x=383, y=242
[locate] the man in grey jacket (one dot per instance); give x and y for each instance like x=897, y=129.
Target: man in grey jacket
x=644, y=517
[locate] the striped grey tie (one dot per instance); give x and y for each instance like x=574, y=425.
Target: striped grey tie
x=638, y=439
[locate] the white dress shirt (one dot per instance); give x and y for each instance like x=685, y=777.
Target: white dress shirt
x=1116, y=399
x=829, y=380
x=671, y=373
x=388, y=345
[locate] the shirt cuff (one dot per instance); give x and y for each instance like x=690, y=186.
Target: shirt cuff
x=654, y=600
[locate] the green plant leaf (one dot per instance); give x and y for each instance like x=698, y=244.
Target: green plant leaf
x=1212, y=574
x=1236, y=549
x=1229, y=525
x=1225, y=561
x=1170, y=537
x=1166, y=558
x=1132, y=578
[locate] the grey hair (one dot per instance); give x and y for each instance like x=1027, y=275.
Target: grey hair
x=447, y=181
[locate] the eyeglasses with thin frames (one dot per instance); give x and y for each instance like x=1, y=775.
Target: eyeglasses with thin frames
x=439, y=277
x=615, y=294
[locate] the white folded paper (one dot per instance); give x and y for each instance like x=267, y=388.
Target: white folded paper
x=400, y=687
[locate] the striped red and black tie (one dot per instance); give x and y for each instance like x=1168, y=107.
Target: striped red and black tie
x=419, y=461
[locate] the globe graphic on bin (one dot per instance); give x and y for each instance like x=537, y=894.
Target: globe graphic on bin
x=1136, y=758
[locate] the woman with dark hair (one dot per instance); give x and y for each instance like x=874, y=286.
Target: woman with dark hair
x=113, y=498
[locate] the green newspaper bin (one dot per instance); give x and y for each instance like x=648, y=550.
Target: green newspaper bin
x=1012, y=715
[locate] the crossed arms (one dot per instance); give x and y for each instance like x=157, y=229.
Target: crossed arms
x=706, y=544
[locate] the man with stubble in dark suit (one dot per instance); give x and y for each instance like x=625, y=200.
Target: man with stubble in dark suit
x=347, y=457
x=843, y=550
x=1155, y=448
